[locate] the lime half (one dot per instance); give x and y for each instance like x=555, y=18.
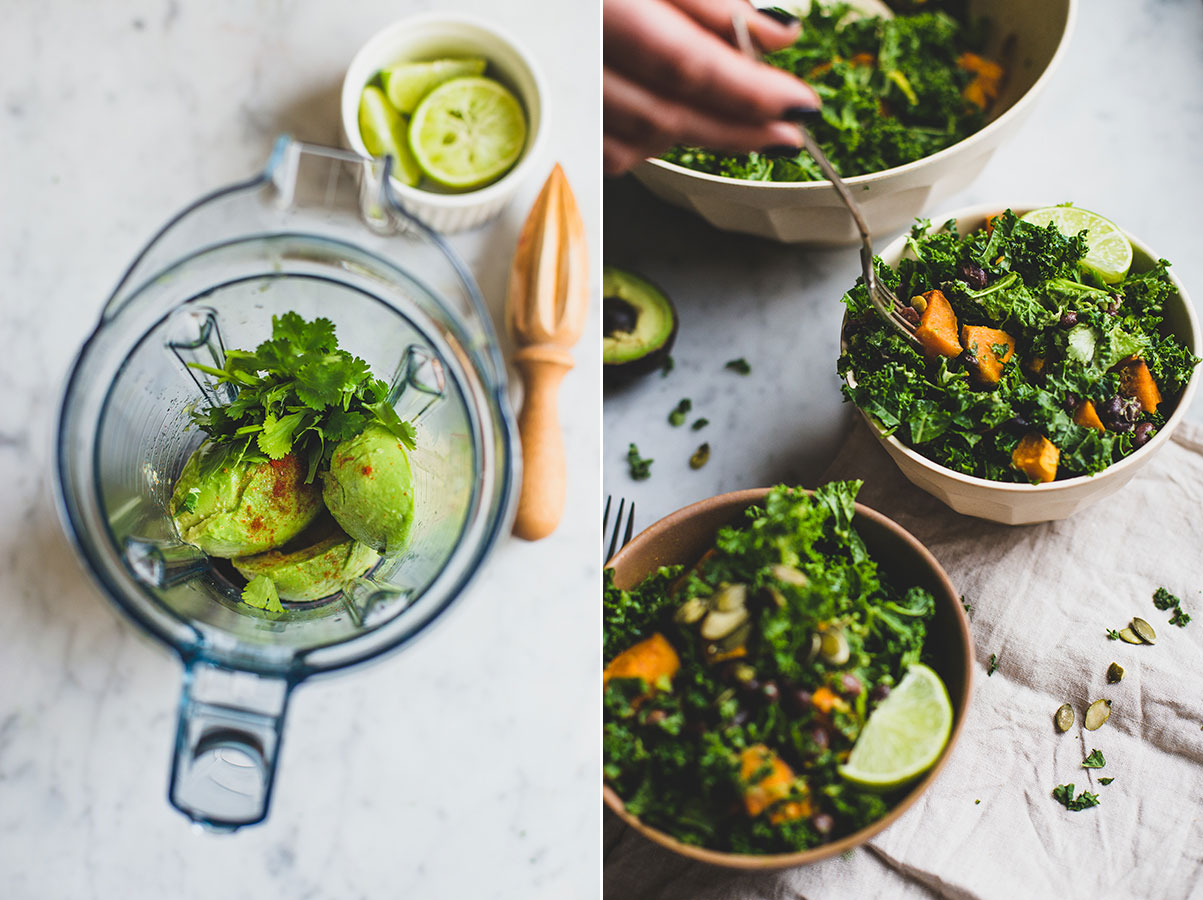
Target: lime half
x=1108, y=255
x=383, y=131
x=904, y=735
x=407, y=83
x=467, y=132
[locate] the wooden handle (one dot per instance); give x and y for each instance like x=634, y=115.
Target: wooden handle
x=541, y=500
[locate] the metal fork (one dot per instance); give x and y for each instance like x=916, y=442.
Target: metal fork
x=614, y=545
x=885, y=301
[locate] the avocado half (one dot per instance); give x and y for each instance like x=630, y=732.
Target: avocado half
x=639, y=324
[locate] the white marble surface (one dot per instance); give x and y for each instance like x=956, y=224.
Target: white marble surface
x=465, y=766
x=1110, y=133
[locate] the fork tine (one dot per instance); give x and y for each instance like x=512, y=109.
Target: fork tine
x=626, y=538
x=617, y=528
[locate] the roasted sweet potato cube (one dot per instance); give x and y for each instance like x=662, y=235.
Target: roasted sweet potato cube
x=650, y=659
x=981, y=341
x=1136, y=381
x=1037, y=457
x=987, y=82
x=774, y=787
x=937, y=329
x=1088, y=417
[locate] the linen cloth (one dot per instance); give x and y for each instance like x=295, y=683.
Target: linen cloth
x=1042, y=598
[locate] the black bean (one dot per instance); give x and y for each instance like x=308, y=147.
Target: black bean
x=749, y=686
x=972, y=274
x=879, y=693
x=741, y=717
x=1018, y=424
x=820, y=737
x=1070, y=403
x=770, y=692
x=798, y=700
x=1069, y=319
x=850, y=685
x=1110, y=410
x=910, y=314
x=656, y=716
x=1143, y=432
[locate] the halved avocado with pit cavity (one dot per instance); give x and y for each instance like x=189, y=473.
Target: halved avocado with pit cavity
x=639, y=324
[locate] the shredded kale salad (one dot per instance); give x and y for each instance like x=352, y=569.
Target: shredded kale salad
x=893, y=91
x=736, y=688
x=1062, y=399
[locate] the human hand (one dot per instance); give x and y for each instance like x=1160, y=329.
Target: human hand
x=671, y=75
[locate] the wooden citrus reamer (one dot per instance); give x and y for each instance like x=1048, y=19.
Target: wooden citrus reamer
x=545, y=307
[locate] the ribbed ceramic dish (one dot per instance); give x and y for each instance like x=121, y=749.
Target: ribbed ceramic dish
x=682, y=538
x=1029, y=36
x=1023, y=504
x=435, y=35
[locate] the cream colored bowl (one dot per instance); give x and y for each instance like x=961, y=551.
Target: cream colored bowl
x=811, y=213
x=434, y=35
x=1023, y=504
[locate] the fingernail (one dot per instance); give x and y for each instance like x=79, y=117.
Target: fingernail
x=778, y=151
x=779, y=15
x=801, y=113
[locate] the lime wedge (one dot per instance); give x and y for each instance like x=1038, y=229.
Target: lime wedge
x=383, y=130
x=904, y=735
x=408, y=83
x=1108, y=255
x=467, y=132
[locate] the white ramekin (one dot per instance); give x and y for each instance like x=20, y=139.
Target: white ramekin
x=430, y=36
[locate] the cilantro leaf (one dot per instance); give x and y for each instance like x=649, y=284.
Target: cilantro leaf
x=699, y=424
x=1179, y=618
x=1094, y=760
x=188, y=504
x=1163, y=599
x=1106, y=780
x=1112, y=634
x=677, y=416
x=260, y=592
x=741, y=365
x=276, y=437
x=640, y=468
x=1064, y=794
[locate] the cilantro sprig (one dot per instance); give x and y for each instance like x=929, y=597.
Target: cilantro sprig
x=297, y=393
x=1064, y=794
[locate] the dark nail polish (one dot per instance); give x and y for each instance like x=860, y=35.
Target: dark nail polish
x=801, y=114
x=779, y=15
x=778, y=151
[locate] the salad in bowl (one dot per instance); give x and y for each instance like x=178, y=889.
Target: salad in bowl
x=1053, y=348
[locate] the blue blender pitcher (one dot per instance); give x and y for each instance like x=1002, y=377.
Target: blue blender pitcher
x=317, y=232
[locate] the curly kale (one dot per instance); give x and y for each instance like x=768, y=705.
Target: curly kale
x=1072, y=334
x=891, y=92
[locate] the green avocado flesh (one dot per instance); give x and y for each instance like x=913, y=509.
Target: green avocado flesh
x=240, y=508
x=639, y=322
x=317, y=563
x=369, y=490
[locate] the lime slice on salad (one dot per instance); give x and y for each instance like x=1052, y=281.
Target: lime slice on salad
x=407, y=83
x=1109, y=255
x=904, y=735
x=384, y=134
x=467, y=132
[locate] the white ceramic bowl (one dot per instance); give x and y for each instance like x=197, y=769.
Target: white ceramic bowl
x=1022, y=504
x=434, y=35
x=811, y=213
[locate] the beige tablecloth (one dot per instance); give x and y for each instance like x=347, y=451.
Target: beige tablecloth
x=1043, y=597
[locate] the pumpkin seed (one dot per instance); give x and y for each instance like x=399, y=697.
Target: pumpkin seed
x=1115, y=673
x=1097, y=713
x=1064, y=717
x=919, y=303
x=788, y=575
x=1144, y=631
x=776, y=596
x=692, y=610
x=720, y=623
x=833, y=647
x=730, y=597
x=816, y=643
x=1127, y=634
x=744, y=672
x=735, y=640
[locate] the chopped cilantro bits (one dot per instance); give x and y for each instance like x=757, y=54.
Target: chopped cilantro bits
x=699, y=424
x=1112, y=634
x=1094, y=760
x=741, y=365
x=1064, y=794
x=1106, y=780
x=640, y=468
x=677, y=416
x=993, y=665
x=667, y=367
x=1163, y=599
x=1179, y=618
x=700, y=457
